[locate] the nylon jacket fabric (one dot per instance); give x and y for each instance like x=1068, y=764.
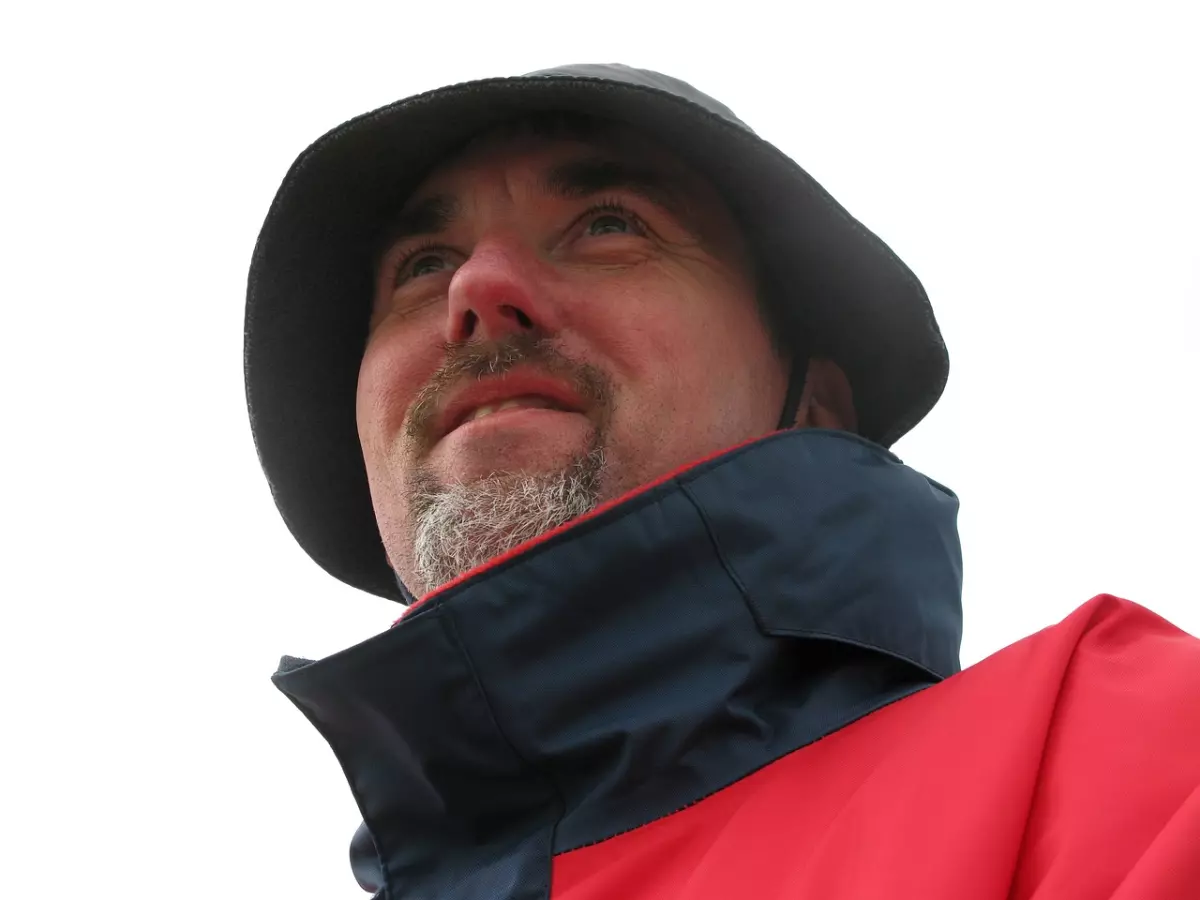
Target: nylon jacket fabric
x=1067, y=765
x=731, y=684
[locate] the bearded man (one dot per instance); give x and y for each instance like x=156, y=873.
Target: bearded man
x=600, y=385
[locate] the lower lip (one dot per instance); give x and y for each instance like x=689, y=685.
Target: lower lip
x=513, y=416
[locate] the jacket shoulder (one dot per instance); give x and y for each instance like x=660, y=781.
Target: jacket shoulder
x=1116, y=809
x=1117, y=622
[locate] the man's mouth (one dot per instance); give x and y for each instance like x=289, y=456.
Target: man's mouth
x=514, y=390
x=527, y=401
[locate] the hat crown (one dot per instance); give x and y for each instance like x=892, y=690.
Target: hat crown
x=646, y=78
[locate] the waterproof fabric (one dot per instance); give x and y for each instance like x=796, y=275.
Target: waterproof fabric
x=839, y=290
x=740, y=682
x=1065, y=766
x=637, y=661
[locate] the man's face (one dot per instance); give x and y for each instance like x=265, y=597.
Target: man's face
x=556, y=322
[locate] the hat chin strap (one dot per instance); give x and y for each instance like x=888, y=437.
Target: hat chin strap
x=407, y=598
x=795, y=391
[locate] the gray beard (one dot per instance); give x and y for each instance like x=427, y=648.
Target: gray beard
x=461, y=526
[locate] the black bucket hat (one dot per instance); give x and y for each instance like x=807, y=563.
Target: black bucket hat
x=838, y=288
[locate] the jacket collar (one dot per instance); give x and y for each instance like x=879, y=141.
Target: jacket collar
x=639, y=660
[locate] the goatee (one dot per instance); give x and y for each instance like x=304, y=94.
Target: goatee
x=464, y=525
x=458, y=526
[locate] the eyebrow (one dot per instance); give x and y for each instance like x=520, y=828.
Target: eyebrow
x=579, y=178
x=431, y=215
x=572, y=180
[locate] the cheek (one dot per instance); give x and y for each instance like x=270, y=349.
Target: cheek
x=698, y=354
x=678, y=328
x=388, y=381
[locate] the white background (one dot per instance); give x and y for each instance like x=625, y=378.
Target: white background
x=1037, y=168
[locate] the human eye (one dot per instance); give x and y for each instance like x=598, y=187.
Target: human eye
x=428, y=259
x=611, y=218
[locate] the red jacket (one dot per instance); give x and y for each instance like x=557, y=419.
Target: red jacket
x=1064, y=766
x=743, y=682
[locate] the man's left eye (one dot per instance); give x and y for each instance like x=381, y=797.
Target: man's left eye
x=610, y=223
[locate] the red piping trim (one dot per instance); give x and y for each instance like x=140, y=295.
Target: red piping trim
x=602, y=508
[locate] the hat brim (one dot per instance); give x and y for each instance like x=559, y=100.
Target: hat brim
x=311, y=283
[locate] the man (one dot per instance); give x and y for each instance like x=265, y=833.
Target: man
x=600, y=385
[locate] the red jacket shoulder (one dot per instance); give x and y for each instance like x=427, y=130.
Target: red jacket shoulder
x=1117, y=803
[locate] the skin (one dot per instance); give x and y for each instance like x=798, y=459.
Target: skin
x=654, y=299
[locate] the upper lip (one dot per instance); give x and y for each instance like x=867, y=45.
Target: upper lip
x=497, y=389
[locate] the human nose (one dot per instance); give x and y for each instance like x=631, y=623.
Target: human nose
x=497, y=292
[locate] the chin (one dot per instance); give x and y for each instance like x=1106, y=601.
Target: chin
x=507, y=452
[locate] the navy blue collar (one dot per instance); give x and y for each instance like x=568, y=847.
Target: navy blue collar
x=638, y=661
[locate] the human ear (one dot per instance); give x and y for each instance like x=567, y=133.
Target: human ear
x=827, y=401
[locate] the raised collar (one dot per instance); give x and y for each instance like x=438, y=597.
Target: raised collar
x=639, y=660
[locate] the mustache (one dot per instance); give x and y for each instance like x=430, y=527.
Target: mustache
x=481, y=360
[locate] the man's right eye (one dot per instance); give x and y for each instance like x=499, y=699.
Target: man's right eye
x=426, y=264
x=422, y=261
